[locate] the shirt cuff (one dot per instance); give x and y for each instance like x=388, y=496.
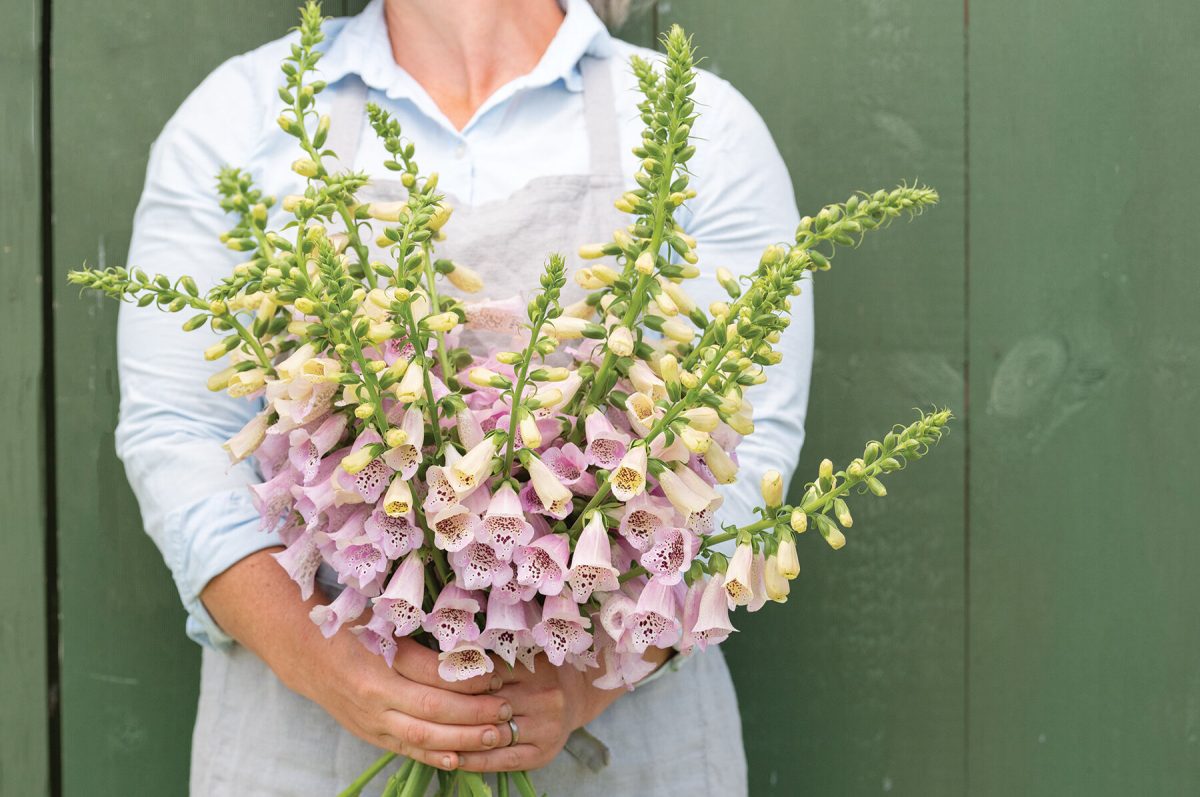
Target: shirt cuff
x=211, y=536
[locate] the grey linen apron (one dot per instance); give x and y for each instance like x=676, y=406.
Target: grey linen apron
x=679, y=734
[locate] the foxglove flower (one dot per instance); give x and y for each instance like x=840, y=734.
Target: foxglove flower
x=247, y=441
x=471, y=471
x=711, y=624
x=553, y=495
x=543, y=563
x=739, y=584
x=454, y=526
x=380, y=644
x=345, y=607
x=360, y=566
x=591, y=564
x=406, y=458
x=629, y=479
x=605, y=445
x=398, y=608
x=453, y=617
x=643, y=516
x=655, y=621
x=466, y=661
x=397, y=535
x=569, y=464
x=301, y=560
x=477, y=567
x=504, y=526
x=672, y=554
x=507, y=628
x=306, y=450
x=563, y=630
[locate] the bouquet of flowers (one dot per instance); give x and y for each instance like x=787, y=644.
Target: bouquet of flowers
x=552, y=489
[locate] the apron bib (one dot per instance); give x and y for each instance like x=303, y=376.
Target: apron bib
x=679, y=734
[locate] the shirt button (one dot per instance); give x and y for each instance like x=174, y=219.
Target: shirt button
x=460, y=151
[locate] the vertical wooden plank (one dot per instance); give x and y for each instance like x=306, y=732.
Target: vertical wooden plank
x=857, y=685
x=24, y=731
x=129, y=675
x=1085, y=656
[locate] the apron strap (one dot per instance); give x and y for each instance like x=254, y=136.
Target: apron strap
x=346, y=120
x=600, y=117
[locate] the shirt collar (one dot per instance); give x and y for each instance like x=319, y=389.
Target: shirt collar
x=361, y=47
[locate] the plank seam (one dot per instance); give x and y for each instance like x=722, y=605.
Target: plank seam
x=53, y=669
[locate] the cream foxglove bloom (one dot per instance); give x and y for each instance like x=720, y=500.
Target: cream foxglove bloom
x=475, y=466
x=778, y=587
x=642, y=413
x=772, y=488
x=738, y=581
x=465, y=279
x=787, y=560
x=723, y=468
x=411, y=387
x=245, y=442
x=398, y=500
x=696, y=442
x=553, y=494
x=703, y=419
x=291, y=367
x=647, y=382
x=685, y=500
x=629, y=479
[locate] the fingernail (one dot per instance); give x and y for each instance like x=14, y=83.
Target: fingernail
x=505, y=712
x=447, y=762
x=490, y=738
x=496, y=683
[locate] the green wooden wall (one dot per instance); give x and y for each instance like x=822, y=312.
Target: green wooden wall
x=1029, y=628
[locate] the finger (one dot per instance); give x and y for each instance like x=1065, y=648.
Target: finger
x=518, y=758
x=449, y=708
x=418, y=663
x=419, y=734
x=441, y=759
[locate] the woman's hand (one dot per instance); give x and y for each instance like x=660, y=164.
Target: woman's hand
x=548, y=705
x=408, y=709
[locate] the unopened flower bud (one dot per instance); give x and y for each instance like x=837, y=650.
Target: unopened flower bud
x=216, y=351
x=694, y=440
x=395, y=438
x=356, y=461
x=718, y=310
x=644, y=263
x=620, y=341
x=826, y=469
x=508, y=357
x=798, y=521
x=842, y=510
x=441, y=322
x=306, y=167
x=678, y=330
x=465, y=279
x=591, y=251
x=605, y=274
x=531, y=435
x=772, y=488
x=668, y=369
x=305, y=305
x=485, y=377
x=364, y=411
x=705, y=419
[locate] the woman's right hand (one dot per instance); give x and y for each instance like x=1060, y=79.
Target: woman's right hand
x=407, y=709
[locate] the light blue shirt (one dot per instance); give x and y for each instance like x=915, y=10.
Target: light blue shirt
x=195, y=505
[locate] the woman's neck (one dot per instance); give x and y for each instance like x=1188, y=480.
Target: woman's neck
x=462, y=51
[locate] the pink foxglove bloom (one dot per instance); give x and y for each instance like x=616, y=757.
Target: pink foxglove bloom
x=629, y=479
x=453, y=617
x=504, y=526
x=466, y=661
x=398, y=609
x=453, y=527
x=371, y=481
x=307, y=449
x=655, y=622
x=348, y=529
x=273, y=498
x=301, y=560
x=360, y=566
x=441, y=492
x=477, y=567
x=563, y=630
x=553, y=495
x=615, y=611
x=643, y=516
x=739, y=584
x=406, y=458
x=591, y=564
x=711, y=625
x=471, y=471
x=470, y=432
x=543, y=563
x=570, y=466
x=380, y=644
x=344, y=608
x=672, y=554
x=758, y=583
x=396, y=535
x=605, y=444
x=245, y=442
x=272, y=454
x=506, y=630
x=504, y=316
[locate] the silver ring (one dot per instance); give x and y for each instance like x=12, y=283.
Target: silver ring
x=516, y=734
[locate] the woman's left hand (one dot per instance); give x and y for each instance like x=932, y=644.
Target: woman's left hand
x=548, y=705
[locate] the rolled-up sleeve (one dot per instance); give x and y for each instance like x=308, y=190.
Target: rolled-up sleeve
x=745, y=202
x=195, y=505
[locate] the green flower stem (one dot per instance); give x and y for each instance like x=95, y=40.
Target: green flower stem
x=518, y=393
x=360, y=249
x=435, y=305
x=502, y=784
x=418, y=780
x=524, y=785
x=355, y=788
x=251, y=341
x=422, y=359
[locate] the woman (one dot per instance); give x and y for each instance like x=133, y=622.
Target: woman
x=526, y=108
